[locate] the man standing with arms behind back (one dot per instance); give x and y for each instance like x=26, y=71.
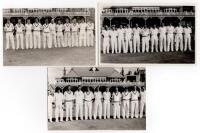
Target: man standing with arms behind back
x=50, y=105
x=154, y=38
x=170, y=38
x=142, y=101
x=162, y=38
x=179, y=37
x=59, y=100
x=28, y=36
x=128, y=37
x=52, y=27
x=106, y=103
x=59, y=30
x=82, y=35
x=90, y=33
x=187, y=37
x=69, y=98
x=125, y=105
x=79, y=97
x=19, y=27
x=74, y=27
x=121, y=38
x=97, y=103
x=136, y=39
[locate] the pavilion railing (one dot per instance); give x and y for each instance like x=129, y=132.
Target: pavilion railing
x=100, y=83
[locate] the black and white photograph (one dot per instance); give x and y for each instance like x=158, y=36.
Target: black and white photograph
x=48, y=36
x=147, y=34
x=96, y=98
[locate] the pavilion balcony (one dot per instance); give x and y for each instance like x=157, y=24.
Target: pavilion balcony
x=123, y=12
x=23, y=12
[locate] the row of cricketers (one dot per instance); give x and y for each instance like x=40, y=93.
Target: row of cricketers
x=164, y=38
x=58, y=35
x=96, y=103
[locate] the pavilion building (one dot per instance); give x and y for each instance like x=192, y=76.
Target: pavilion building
x=103, y=76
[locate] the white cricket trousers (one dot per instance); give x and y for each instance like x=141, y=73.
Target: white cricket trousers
x=170, y=42
x=121, y=45
x=82, y=38
x=88, y=109
x=79, y=110
x=10, y=40
x=125, y=109
x=74, y=39
x=128, y=45
x=90, y=38
x=114, y=45
x=116, y=110
x=162, y=41
x=97, y=109
x=29, y=40
x=69, y=110
x=53, y=39
x=60, y=39
x=50, y=112
x=59, y=112
x=106, y=109
x=142, y=106
x=106, y=46
x=179, y=42
x=136, y=43
x=134, y=109
x=187, y=40
x=154, y=43
x=46, y=40
x=20, y=40
x=67, y=38
x=145, y=44
x=36, y=39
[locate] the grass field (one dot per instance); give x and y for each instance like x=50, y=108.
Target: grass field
x=50, y=57
x=164, y=57
x=108, y=124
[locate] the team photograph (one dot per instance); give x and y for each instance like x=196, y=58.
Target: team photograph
x=49, y=37
x=147, y=34
x=96, y=98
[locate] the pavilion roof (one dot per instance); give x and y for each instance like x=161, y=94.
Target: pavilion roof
x=93, y=72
